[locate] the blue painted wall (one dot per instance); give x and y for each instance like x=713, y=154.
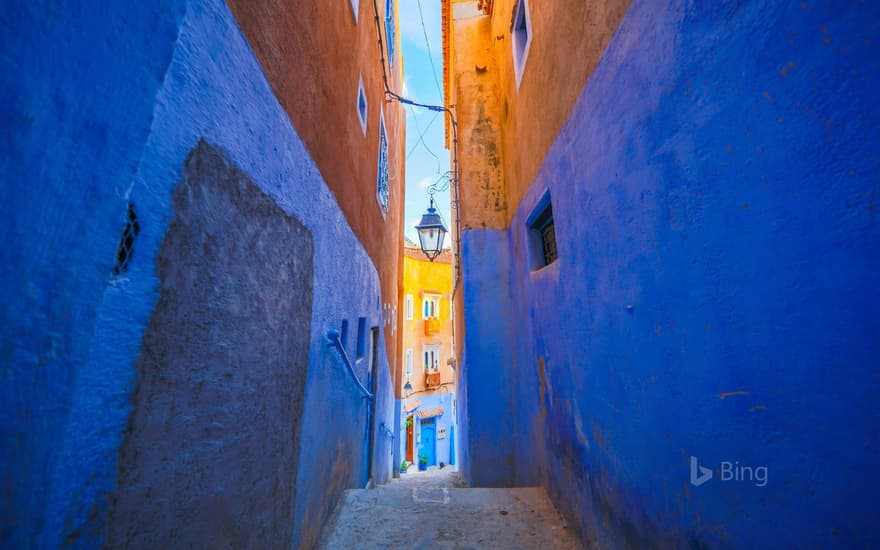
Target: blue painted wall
x=719, y=175
x=444, y=421
x=101, y=107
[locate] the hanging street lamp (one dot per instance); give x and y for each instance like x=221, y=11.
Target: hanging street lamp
x=431, y=232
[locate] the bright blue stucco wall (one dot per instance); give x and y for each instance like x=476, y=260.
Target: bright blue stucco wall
x=487, y=362
x=102, y=108
x=718, y=174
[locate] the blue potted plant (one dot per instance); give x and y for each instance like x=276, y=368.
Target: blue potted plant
x=423, y=462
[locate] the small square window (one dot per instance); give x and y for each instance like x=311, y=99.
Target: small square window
x=521, y=37
x=542, y=234
x=409, y=361
x=362, y=105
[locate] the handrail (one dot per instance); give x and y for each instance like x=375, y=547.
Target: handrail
x=333, y=337
x=387, y=431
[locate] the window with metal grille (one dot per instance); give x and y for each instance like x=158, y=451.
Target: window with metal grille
x=542, y=234
x=390, y=30
x=125, y=250
x=382, y=176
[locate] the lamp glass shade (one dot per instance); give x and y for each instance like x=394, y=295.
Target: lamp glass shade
x=431, y=233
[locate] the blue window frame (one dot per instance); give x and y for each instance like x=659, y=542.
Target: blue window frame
x=382, y=176
x=390, y=30
x=521, y=34
x=362, y=105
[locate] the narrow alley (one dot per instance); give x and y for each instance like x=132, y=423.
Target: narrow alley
x=444, y=513
x=510, y=274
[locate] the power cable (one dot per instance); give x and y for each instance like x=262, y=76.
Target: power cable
x=455, y=202
x=428, y=48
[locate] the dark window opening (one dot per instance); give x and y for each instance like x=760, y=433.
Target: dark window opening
x=362, y=106
x=125, y=251
x=542, y=235
x=343, y=333
x=361, y=337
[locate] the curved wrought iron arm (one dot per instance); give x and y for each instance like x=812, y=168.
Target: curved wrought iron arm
x=336, y=342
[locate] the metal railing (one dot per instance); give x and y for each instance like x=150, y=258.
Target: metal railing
x=388, y=432
x=336, y=342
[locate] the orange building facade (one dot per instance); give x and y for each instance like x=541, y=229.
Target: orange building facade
x=428, y=375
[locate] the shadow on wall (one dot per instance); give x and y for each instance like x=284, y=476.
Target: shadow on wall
x=210, y=454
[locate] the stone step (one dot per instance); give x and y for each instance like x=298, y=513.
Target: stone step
x=424, y=511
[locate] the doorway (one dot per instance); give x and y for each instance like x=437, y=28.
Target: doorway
x=371, y=408
x=410, y=420
x=429, y=441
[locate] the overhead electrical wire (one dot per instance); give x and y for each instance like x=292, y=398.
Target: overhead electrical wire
x=428, y=48
x=437, y=108
x=421, y=139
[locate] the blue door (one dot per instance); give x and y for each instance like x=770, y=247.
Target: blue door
x=429, y=442
x=452, y=444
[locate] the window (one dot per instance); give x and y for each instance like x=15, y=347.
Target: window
x=390, y=30
x=362, y=337
x=362, y=105
x=354, y=10
x=521, y=37
x=431, y=306
x=408, y=307
x=125, y=250
x=382, y=172
x=409, y=361
x=542, y=234
x=432, y=358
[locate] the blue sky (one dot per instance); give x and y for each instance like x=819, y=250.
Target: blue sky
x=422, y=168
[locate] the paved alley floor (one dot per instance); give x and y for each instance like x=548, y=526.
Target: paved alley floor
x=434, y=509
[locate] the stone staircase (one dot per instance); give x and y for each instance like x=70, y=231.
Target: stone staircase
x=435, y=509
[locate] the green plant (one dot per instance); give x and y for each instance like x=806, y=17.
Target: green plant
x=423, y=460
x=409, y=421
x=403, y=465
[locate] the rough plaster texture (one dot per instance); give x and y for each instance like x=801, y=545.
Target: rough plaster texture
x=164, y=78
x=531, y=121
x=69, y=146
x=478, y=100
x=487, y=364
x=210, y=454
x=718, y=175
x=324, y=41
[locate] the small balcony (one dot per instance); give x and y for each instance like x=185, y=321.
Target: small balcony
x=432, y=327
x=432, y=380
